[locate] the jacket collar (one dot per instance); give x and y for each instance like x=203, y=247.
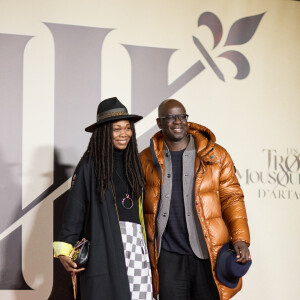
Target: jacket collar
x=205, y=142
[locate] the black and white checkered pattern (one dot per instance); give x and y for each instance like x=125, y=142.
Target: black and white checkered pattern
x=137, y=261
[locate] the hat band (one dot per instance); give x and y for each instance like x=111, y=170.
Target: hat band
x=112, y=113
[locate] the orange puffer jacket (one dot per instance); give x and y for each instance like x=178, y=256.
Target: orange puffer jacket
x=219, y=199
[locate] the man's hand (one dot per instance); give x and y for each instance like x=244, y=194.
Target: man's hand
x=242, y=252
x=69, y=264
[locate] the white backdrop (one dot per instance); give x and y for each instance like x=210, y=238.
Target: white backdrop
x=99, y=49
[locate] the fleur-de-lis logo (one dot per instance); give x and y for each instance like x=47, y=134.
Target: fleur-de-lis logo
x=240, y=33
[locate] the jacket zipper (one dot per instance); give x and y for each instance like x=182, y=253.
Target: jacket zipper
x=155, y=241
x=199, y=220
x=155, y=230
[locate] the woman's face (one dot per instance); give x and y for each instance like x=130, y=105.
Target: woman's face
x=121, y=134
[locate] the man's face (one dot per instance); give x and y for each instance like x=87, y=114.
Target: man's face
x=173, y=130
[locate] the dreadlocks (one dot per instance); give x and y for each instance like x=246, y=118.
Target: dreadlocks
x=101, y=149
x=133, y=168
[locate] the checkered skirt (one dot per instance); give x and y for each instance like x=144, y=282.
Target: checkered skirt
x=137, y=261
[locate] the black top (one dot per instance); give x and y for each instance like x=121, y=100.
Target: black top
x=122, y=188
x=175, y=237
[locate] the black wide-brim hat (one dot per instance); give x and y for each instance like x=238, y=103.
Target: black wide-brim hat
x=228, y=270
x=109, y=110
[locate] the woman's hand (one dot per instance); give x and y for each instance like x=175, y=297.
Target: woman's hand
x=69, y=264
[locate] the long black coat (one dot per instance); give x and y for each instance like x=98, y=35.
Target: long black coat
x=85, y=216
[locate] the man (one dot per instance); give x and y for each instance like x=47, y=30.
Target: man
x=193, y=205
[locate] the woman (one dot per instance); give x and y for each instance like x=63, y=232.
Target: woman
x=105, y=207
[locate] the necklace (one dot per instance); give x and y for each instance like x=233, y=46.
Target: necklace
x=127, y=198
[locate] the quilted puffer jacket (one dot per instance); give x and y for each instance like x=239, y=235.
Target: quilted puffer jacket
x=219, y=200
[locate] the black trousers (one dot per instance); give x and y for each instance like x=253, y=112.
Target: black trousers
x=185, y=277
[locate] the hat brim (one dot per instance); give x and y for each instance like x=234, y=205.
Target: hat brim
x=132, y=118
x=233, y=282
x=223, y=255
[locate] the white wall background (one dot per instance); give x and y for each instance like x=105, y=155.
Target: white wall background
x=249, y=116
